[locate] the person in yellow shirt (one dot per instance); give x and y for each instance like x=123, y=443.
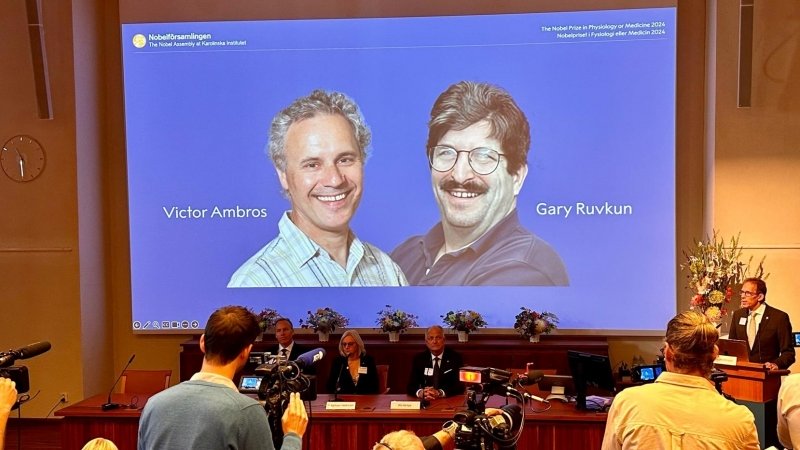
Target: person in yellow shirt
x=682, y=409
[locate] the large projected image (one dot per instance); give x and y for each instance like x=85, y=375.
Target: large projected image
x=431, y=163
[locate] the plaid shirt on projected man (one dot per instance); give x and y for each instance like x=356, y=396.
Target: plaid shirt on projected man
x=294, y=260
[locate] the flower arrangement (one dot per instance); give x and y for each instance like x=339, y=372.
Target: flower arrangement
x=267, y=318
x=324, y=320
x=464, y=320
x=715, y=270
x=531, y=323
x=395, y=320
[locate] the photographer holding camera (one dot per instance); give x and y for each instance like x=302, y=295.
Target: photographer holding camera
x=8, y=397
x=208, y=412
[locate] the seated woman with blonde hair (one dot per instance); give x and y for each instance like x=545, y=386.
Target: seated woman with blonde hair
x=353, y=371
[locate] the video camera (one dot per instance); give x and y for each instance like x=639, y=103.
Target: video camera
x=279, y=378
x=19, y=374
x=473, y=428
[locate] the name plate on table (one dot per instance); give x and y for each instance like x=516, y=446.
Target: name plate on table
x=725, y=360
x=404, y=404
x=340, y=406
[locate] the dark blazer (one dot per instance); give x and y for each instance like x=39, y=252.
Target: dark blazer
x=297, y=350
x=774, y=339
x=367, y=382
x=448, y=378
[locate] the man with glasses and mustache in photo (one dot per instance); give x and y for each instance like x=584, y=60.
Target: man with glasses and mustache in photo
x=767, y=330
x=478, y=141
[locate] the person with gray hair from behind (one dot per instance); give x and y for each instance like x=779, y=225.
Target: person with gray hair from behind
x=318, y=145
x=681, y=409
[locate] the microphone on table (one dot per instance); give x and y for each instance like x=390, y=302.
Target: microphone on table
x=522, y=394
x=338, y=386
x=108, y=405
x=29, y=351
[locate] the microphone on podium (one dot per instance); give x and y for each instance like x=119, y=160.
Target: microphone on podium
x=108, y=404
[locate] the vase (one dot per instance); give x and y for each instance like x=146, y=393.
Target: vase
x=323, y=336
x=260, y=337
x=463, y=336
x=394, y=336
x=534, y=338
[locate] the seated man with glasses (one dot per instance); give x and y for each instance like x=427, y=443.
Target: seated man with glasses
x=478, y=140
x=767, y=330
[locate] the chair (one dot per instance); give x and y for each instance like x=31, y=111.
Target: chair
x=383, y=378
x=144, y=381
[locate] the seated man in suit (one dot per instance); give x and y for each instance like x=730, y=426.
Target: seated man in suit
x=767, y=330
x=287, y=348
x=434, y=372
x=284, y=334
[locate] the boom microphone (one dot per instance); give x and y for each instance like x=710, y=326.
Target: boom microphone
x=310, y=358
x=108, y=405
x=532, y=377
x=29, y=351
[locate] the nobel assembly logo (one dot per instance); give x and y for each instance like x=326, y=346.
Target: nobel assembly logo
x=139, y=41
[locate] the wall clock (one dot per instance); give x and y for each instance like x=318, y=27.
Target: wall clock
x=22, y=158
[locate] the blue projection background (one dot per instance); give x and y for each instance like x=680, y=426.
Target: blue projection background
x=598, y=89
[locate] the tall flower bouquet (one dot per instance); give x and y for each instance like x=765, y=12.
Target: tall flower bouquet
x=531, y=323
x=463, y=320
x=324, y=320
x=715, y=270
x=267, y=318
x=390, y=319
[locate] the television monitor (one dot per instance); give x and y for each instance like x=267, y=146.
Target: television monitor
x=590, y=371
x=596, y=80
x=647, y=373
x=796, y=336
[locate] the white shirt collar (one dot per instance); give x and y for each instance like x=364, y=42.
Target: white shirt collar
x=214, y=378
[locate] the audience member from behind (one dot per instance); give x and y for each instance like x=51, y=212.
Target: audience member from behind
x=353, y=371
x=208, y=412
x=789, y=412
x=682, y=409
x=99, y=444
x=767, y=330
x=443, y=439
x=8, y=397
x=429, y=382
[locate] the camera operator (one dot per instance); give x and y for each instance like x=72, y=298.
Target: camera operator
x=208, y=412
x=8, y=397
x=441, y=440
x=681, y=409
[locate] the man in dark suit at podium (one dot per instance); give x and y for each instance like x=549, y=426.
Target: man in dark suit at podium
x=434, y=372
x=767, y=330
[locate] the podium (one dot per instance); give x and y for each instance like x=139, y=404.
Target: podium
x=755, y=387
x=751, y=381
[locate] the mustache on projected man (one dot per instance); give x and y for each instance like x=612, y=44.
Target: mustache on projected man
x=478, y=141
x=318, y=145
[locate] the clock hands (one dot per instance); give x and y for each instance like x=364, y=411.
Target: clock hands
x=21, y=164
